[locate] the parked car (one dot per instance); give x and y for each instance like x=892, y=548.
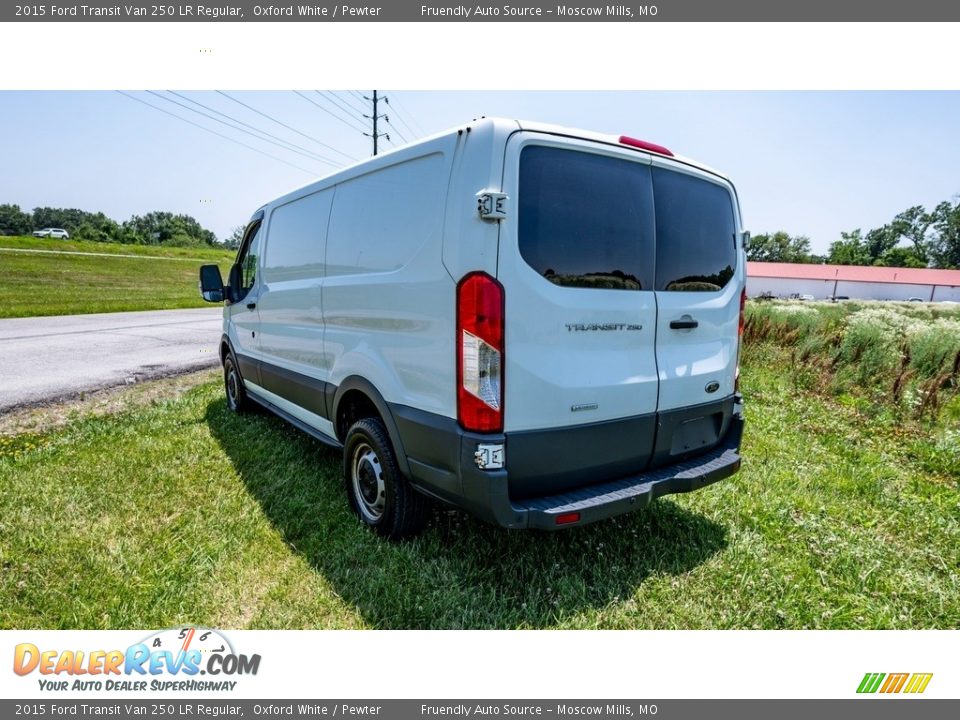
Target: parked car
x=807, y=297
x=838, y=298
x=537, y=324
x=915, y=299
x=58, y=233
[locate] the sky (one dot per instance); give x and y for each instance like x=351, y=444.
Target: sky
x=809, y=163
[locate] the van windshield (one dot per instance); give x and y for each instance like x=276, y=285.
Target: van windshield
x=594, y=221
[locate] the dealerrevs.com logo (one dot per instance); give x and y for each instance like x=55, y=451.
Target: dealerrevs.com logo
x=910, y=683
x=167, y=660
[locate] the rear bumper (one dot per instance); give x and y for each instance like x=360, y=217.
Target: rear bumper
x=605, y=500
x=440, y=456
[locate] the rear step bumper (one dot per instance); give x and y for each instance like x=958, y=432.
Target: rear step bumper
x=442, y=463
x=617, y=497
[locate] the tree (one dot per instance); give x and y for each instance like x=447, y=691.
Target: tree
x=67, y=218
x=945, y=243
x=159, y=228
x=80, y=224
x=901, y=257
x=913, y=225
x=878, y=241
x=13, y=221
x=779, y=247
x=849, y=250
x=236, y=237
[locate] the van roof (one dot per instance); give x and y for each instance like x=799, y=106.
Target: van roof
x=507, y=125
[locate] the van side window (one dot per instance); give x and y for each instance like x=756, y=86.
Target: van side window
x=297, y=238
x=368, y=211
x=249, y=254
x=586, y=220
x=696, y=233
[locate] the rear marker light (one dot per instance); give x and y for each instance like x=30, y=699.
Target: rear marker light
x=567, y=518
x=480, y=353
x=644, y=145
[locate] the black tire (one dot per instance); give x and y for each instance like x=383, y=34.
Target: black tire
x=378, y=492
x=237, y=399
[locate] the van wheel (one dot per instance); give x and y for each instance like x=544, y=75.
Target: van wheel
x=233, y=385
x=378, y=492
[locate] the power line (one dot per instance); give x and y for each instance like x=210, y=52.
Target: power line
x=350, y=110
x=399, y=117
x=292, y=129
x=320, y=107
x=257, y=134
x=387, y=118
x=357, y=106
x=254, y=128
x=419, y=132
x=214, y=132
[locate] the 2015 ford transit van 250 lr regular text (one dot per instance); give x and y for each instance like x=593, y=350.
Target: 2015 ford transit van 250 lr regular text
x=539, y=325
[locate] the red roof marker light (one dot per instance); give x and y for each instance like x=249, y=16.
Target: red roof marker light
x=644, y=145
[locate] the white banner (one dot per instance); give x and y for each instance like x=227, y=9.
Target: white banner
x=488, y=664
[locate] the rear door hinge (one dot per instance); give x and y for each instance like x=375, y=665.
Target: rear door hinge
x=492, y=205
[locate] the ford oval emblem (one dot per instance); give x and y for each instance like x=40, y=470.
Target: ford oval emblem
x=712, y=386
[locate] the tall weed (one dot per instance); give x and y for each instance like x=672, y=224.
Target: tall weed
x=901, y=354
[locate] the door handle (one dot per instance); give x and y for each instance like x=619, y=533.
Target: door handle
x=251, y=306
x=686, y=324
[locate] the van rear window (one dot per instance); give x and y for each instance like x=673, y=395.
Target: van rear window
x=594, y=221
x=696, y=234
x=586, y=220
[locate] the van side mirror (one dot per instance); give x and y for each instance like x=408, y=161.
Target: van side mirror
x=211, y=283
x=746, y=239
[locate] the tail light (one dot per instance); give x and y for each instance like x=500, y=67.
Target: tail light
x=480, y=353
x=743, y=306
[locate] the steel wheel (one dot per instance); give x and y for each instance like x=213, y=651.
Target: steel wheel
x=233, y=385
x=369, y=488
x=378, y=491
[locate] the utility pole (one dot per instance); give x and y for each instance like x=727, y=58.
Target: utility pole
x=375, y=117
x=374, y=123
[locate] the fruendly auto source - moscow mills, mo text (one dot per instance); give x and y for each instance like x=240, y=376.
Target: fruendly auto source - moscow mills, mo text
x=333, y=12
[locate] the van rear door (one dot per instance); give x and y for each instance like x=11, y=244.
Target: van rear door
x=698, y=284
x=699, y=279
x=576, y=259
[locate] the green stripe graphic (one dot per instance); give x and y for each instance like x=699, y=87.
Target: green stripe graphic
x=870, y=682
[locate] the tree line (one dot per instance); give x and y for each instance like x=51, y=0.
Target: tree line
x=154, y=228
x=914, y=238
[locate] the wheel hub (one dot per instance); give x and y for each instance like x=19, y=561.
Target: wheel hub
x=368, y=484
x=232, y=388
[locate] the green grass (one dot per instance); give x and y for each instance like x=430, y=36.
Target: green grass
x=61, y=284
x=178, y=511
x=207, y=254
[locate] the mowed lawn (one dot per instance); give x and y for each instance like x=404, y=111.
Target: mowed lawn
x=99, y=277
x=179, y=512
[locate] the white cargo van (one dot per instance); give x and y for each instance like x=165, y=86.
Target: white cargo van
x=537, y=324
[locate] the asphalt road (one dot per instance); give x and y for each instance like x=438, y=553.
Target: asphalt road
x=51, y=358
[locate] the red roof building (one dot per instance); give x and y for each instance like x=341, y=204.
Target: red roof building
x=854, y=281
